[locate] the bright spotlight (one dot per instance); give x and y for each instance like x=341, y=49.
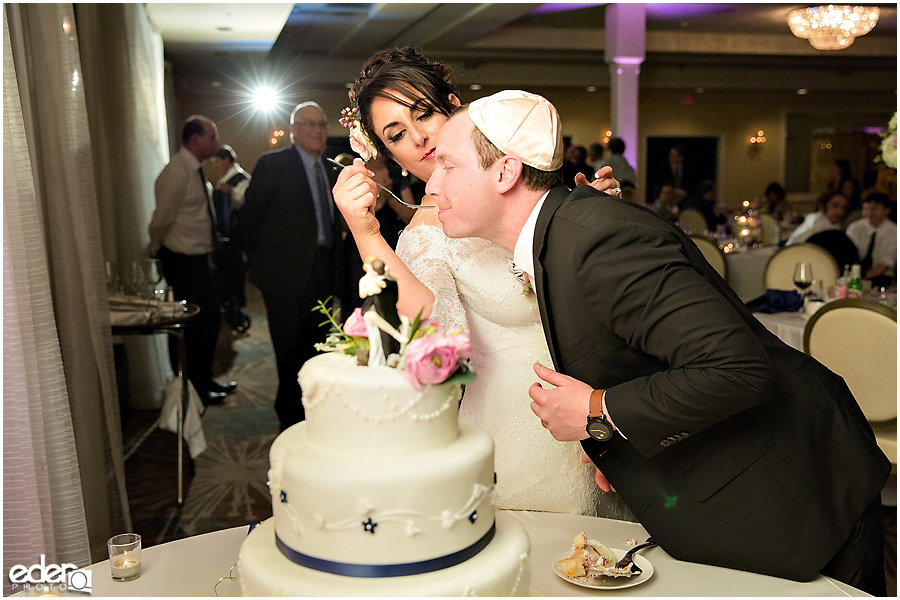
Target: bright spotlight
x=265, y=99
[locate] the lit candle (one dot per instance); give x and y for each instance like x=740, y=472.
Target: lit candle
x=125, y=567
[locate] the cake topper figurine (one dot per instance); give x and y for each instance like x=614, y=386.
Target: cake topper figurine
x=380, y=292
x=377, y=335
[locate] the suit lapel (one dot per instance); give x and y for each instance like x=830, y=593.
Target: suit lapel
x=554, y=200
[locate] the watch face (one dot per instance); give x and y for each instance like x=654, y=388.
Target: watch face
x=599, y=429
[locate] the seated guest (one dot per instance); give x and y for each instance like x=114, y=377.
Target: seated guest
x=775, y=202
x=875, y=237
x=704, y=201
x=838, y=245
x=832, y=206
x=665, y=205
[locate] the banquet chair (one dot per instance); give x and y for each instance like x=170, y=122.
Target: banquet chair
x=713, y=254
x=771, y=230
x=857, y=339
x=779, y=273
x=692, y=221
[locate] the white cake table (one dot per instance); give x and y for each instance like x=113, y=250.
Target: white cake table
x=193, y=566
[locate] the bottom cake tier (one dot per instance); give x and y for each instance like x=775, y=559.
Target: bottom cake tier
x=502, y=568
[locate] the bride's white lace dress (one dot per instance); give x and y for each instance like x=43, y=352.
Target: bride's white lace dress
x=474, y=290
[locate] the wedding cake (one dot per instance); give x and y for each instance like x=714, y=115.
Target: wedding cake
x=380, y=491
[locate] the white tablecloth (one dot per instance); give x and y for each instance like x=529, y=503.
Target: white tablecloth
x=788, y=326
x=746, y=271
x=193, y=566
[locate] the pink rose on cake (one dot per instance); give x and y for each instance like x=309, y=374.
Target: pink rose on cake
x=356, y=325
x=433, y=359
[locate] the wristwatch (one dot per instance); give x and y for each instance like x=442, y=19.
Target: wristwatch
x=597, y=425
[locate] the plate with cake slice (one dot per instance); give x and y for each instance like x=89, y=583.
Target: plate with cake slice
x=592, y=565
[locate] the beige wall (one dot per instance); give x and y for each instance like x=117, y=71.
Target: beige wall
x=731, y=116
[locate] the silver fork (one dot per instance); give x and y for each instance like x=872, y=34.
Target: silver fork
x=407, y=204
x=628, y=559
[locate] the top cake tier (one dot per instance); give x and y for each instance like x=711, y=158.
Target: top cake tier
x=374, y=411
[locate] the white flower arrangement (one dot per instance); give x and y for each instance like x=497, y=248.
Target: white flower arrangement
x=359, y=141
x=889, y=144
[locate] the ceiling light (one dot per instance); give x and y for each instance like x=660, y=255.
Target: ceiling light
x=475, y=87
x=265, y=99
x=832, y=27
x=802, y=92
x=592, y=88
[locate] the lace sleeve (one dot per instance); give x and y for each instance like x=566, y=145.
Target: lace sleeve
x=428, y=254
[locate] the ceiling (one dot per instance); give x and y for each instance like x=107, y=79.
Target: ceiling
x=304, y=47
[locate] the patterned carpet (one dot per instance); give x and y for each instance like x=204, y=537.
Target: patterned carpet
x=227, y=485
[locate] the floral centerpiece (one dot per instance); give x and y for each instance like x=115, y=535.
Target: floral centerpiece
x=426, y=353
x=888, y=148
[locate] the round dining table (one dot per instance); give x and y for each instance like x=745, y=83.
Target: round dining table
x=747, y=271
x=204, y=565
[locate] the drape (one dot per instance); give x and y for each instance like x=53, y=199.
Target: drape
x=123, y=68
x=64, y=482
x=43, y=511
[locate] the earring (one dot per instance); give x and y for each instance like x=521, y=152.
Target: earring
x=404, y=172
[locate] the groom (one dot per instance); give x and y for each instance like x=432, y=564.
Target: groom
x=730, y=447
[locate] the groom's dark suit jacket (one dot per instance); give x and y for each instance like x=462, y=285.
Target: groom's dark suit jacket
x=741, y=451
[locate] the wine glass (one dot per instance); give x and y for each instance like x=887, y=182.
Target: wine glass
x=803, y=276
x=136, y=279
x=112, y=278
x=154, y=276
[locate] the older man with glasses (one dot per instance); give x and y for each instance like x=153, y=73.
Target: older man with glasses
x=292, y=235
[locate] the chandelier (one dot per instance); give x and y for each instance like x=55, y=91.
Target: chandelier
x=832, y=27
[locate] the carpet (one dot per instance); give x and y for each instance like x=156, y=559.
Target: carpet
x=226, y=485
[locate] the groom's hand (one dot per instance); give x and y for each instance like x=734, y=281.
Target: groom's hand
x=562, y=409
x=602, y=482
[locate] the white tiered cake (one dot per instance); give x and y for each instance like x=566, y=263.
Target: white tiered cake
x=381, y=492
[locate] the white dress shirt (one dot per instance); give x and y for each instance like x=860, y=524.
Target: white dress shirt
x=523, y=257
x=811, y=225
x=181, y=221
x=238, y=191
x=885, y=251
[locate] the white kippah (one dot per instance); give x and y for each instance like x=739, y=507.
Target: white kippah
x=522, y=124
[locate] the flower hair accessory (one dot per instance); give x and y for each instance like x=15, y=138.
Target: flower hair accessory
x=359, y=141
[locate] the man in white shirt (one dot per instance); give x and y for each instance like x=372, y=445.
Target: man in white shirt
x=616, y=159
x=182, y=234
x=875, y=237
x=832, y=207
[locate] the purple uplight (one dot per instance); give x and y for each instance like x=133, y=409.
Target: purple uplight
x=675, y=10
x=554, y=7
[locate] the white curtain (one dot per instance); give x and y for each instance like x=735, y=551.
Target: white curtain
x=123, y=72
x=42, y=502
x=84, y=137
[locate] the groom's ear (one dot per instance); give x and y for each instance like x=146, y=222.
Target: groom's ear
x=509, y=172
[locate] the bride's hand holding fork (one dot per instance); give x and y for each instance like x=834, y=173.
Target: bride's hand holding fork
x=356, y=194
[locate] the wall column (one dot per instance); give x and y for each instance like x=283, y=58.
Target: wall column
x=626, y=26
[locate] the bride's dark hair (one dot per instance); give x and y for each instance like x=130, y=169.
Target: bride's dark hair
x=407, y=71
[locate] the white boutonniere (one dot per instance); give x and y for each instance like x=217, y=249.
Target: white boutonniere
x=521, y=276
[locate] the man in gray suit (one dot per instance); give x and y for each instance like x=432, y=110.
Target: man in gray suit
x=731, y=448
x=293, y=237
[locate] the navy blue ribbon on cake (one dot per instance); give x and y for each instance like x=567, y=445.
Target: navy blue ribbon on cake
x=394, y=570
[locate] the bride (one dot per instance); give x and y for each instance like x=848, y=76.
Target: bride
x=400, y=102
